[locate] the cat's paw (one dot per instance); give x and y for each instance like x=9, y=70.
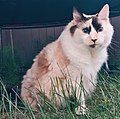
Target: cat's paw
x=81, y=110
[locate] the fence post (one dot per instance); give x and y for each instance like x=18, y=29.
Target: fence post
x=12, y=45
x=1, y=47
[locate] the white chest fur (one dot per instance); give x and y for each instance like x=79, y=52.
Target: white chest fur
x=84, y=61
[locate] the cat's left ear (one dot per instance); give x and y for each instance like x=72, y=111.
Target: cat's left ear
x=104, y=13
x=77, y=17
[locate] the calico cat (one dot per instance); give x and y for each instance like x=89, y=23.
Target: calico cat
x=80, y=50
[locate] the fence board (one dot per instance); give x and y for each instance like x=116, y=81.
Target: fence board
x=6, y=38
x=58, y=30
x=28, y=42
x=116, y=38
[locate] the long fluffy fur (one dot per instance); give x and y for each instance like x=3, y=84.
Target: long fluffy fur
x=68, y=53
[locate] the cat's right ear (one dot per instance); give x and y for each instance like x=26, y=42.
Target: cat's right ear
x=77, y=17
x=104, y=13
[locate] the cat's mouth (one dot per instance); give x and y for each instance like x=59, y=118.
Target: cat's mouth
x=93, y=45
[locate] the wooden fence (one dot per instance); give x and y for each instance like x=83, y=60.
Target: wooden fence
x=24, y=44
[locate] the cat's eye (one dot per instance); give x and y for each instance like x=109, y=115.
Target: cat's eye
x=100, y=29
x=86, y=30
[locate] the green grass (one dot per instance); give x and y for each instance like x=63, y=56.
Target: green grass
x=103, y=104
x=11, y=71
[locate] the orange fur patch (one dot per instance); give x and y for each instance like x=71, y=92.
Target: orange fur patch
x=62, y=60
x=39, y=69
x=42, y=64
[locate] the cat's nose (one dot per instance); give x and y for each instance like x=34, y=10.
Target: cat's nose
x=94, y=40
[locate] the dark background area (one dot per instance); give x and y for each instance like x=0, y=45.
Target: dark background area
x=49, y=12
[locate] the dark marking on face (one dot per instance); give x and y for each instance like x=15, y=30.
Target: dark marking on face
x=84, y=19
x=72, y=29
x=97, y=26
x=87, y=30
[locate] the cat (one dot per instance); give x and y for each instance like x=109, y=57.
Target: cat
x=81, y=50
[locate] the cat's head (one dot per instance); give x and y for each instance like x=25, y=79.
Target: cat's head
x=92, y=30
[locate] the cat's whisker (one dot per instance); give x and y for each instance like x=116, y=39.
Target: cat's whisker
x=110, y=51
x=111, y=47
x=115, y=41
x=112, y=43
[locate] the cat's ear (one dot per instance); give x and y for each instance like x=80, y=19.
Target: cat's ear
x=77, y=17
x=104, y=13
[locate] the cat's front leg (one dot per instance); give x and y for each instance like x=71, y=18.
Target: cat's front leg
x=81, y=109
